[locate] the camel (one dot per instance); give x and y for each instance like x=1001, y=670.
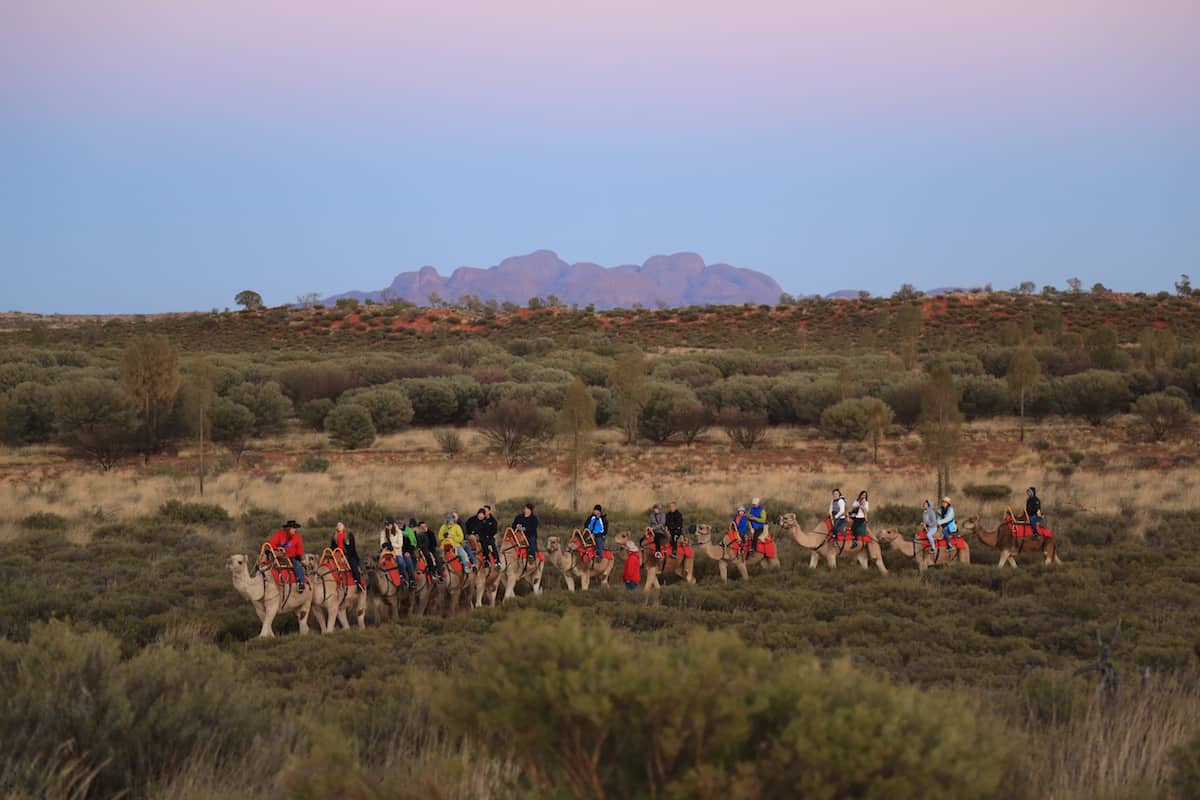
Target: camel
x=458, y=590
x=267, y=597
x=331, y=603
x=926, y=558
x=570, y=563
x=517, y=569
x=381, y=592
x=486, y=582
x=1011, y=546
x=724, y=556
x=684, y=567
x=817, y=542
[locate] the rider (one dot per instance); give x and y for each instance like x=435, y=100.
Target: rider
x=837, y=512
x=433, y=558
x=929, y=523
x=344, y=540
x=946, y=522
x=408, y=548
x=392, y=539
x=1033, y=510
x=858, y=517
x=487, y=538
x=527, y=521
x=597, y=525
x=451, y=535
x=657, y=523
x=288, y=537
x=675, y=527
x=741, y=526
x=758, y=521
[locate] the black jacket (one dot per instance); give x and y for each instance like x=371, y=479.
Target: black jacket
x=529, y=522
x=675, y=522
x=351, y=549
x=487, y=529
x=1033, y=507
x=473, y=526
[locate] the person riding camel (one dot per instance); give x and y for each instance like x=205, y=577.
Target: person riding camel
x=433, y=558
x=741, y=526
x=527, y=522
x=344, y=540
x=858, y=517
x=929, y=523
x=392, y=540
x=288, y=537
x=451, y=535
x=946, y=522
x=837, y=513
x=758, y=521
x=657, y=523
x=1033, y=510
x=597, y=526
x=408, y=549
x=674, y=527
x=487, y=538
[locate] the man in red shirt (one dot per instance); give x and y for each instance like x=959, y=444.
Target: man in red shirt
x=633, y=566
x=288, y=537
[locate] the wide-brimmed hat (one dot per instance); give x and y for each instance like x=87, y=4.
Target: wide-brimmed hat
x=741, y=508
x=946, y=500
x=631, y=546
x=291, y=523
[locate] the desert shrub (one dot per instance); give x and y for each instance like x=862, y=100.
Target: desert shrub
x=984, y=396
x=746, y=429
x=1163, y=415
x=96, y=419
x=359, y=516
x=693, y=373
x=28, y=414
x=987, y=491
x=231, y=424
x=1094, y=395
x=608, y=406
x=904, y=396
x=313, y=464
x=801, y=402
x=514, y=429
x=444, y=401
x=303, y=384
x=268, y=404
x=390, y=409
x=193, y=513
x=749, y=393
x=848, y=419
x=313, y=413
x=1052, y=697
x=661, y=410
x=349, y=426
x=530, y=347
x=897, y=514
x=13, y=374
x=959, y=363
x=44, y=521
x=995, y=360
x=767, y=740
x=449, y=441
x=1185, y=769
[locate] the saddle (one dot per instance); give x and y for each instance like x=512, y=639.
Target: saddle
x=516, y=538
x=278, y=563
x=940, y=542
x=840, y=539
x=390, y=567
x=450, y=555
x=583, y=542
x=335, y=561
x=1021, y=528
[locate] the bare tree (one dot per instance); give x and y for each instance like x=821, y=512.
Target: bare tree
x=1023, y=371
x=627, y=379
x=746, y=429
x=512, y=428
x=941, y=423
x=150, y=373
x=576, y=421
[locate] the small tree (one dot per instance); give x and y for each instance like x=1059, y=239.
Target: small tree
x=349, y=426
x=627, y=379
x=691, y=422
x=941, y=423
x=1163, y=414
x=879, y=419
x=1156, y=346
x=390, y=409
x=1183, y=286
x=150, y=373
x=909, y=320
x=1075, y=285
x=747, y=429
x=308, y=300
x=512, y=427
x=231, y=424
x=249, y=300
x=95, y=418
x=576, y=421
x=846, y=419
x=663, y=402
x=1024, y=370
x=1027, y=287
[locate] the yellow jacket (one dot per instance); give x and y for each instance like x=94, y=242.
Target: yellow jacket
x=450, y=533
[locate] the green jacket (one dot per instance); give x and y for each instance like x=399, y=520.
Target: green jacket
x=410, y=536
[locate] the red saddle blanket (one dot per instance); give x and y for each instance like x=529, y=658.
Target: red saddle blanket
x=387, y=563
x=681, y=550
x=958, y=541
x=283, y=576
x=450, y=556
x=1022, y=530
x=344, y=577
x=523, y=554
x=588, y=554
x=280, y=566
x=846, y=536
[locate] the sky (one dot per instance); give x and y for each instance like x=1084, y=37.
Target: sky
x=160, y=155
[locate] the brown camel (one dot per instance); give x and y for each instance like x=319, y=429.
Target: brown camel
x=1012, y=546
x=683, y=567
x=925, y=557
x=455, y=594
x=568, y=561
x=333, y=602
x=515, y=568
x=268, y=598
x=397, y=601
x=722, y=552
x=819, y=546
x=486, y=582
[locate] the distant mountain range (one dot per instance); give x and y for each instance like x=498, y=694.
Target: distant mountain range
x=681, y=279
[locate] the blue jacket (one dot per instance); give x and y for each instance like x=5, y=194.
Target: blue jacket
x=946, y=520
x=758, y=518
x=596, y=526
x=742, y=523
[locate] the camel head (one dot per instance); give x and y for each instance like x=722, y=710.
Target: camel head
x=703, y=534
x=971, y=524
x=553, y=545
x=888, y=535
x=787, y=520
x=236, y=564
x=621, y=538
x=310, y=564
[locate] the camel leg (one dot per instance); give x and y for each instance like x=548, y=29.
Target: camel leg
x=268, y=617
x=361, y=612
x=1003, y=558
x=569, y=581
x=509, y=585
x=585, y=580
x=743, y=570
x=861, y=558
x=536, y=583
x=724, y=570
x=813, y=560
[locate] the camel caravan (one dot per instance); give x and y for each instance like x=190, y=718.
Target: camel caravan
x=418, y=571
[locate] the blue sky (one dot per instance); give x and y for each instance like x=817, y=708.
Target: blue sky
x=147, y=167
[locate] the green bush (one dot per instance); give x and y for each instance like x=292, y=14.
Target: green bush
x=44, y=521
x=1185, y=769
x=390, y=409
x=314, y=464
x=847, y=420
x=349, y=426
x=987, y=491
x=267, y=402
x=193, y=513
x=359, y=516
x=1163, y=415
x=662, y=410
x=27, y=414
x=314, y=412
